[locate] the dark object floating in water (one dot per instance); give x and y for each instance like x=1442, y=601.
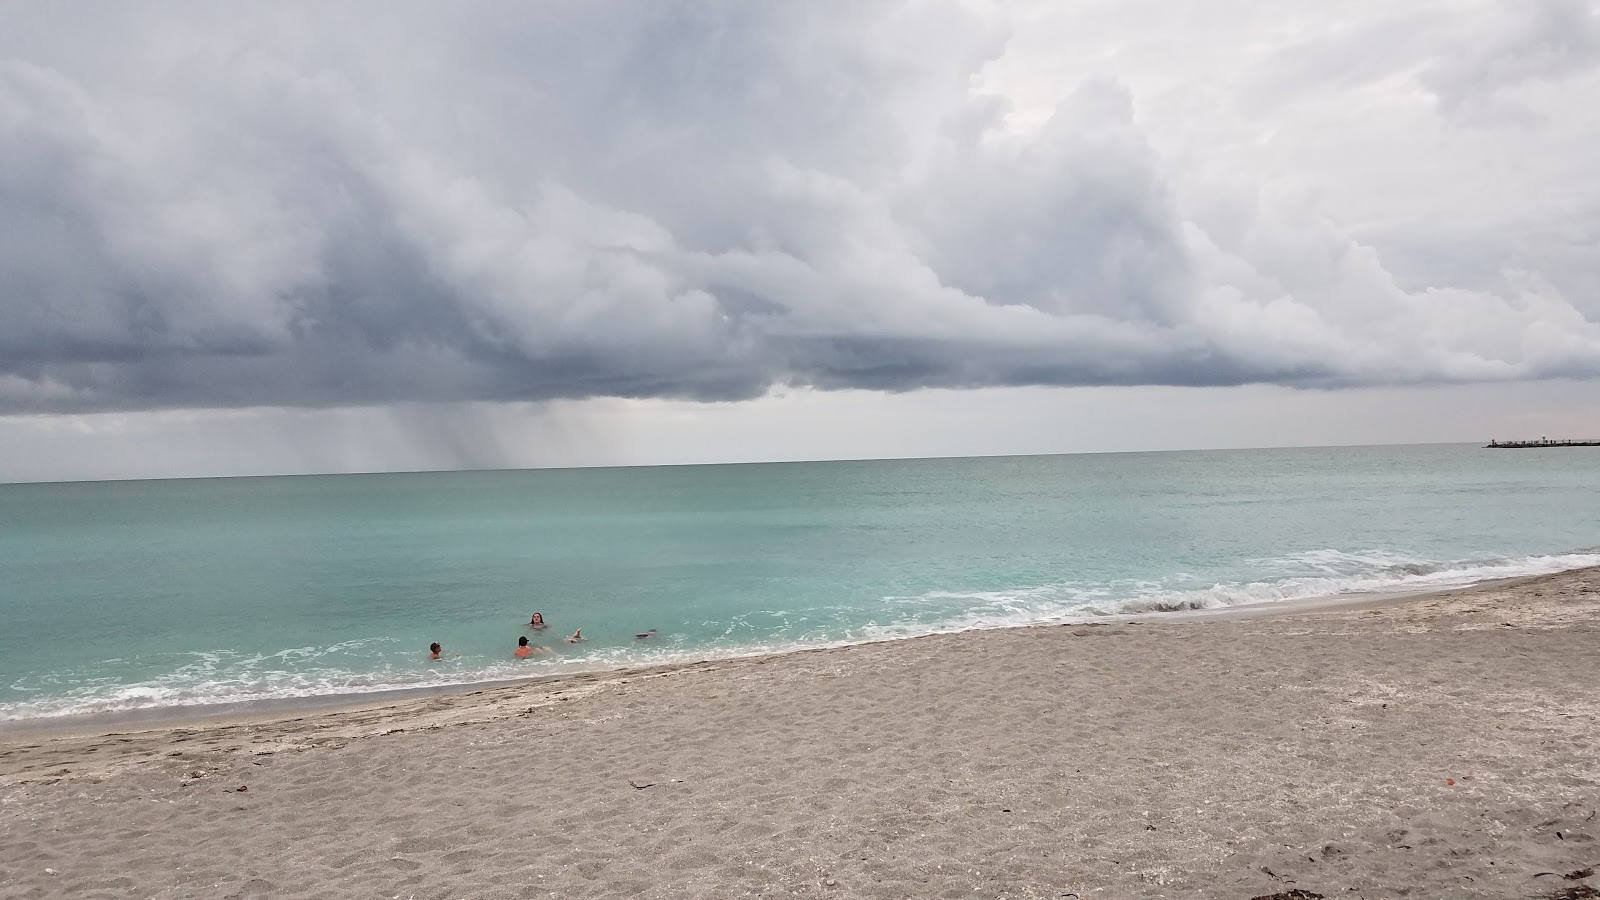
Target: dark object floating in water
x=1542, y=442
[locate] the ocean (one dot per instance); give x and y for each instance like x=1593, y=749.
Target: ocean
x=132, y=595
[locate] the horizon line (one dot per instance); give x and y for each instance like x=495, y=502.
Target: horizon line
x=745, y=462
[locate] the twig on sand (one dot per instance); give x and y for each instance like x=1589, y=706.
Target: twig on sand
x=639, y=787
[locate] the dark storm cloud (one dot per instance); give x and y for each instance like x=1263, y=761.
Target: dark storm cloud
x=317, y=206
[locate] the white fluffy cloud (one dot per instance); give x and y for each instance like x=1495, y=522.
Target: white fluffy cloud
x=318, y=206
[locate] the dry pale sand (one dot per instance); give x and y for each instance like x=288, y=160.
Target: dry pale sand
x=1446, y=746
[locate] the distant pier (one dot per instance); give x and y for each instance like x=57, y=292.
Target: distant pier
x=1542, y=442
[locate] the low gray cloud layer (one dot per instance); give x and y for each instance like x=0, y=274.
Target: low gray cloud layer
x=311, y=206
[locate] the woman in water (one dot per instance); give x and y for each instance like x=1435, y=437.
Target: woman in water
x=537, y=622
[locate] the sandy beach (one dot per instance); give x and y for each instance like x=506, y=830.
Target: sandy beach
x=1438, y=746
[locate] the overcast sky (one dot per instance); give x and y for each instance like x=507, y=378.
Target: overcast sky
x=276, y=237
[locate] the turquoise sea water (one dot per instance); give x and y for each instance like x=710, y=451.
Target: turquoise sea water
x=123, y=595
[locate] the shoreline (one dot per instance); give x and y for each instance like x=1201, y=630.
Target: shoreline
x=1434, y=745
x=270, y=710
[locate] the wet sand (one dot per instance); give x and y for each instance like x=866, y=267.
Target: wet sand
x=1437, y=746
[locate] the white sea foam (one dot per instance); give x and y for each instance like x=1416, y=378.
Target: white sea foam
x=208, y=678
x=1320, y=573
x=244, y=681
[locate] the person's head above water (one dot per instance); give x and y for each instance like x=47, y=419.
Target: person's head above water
x=434, y=648
x=538, y=619
x=522, y=641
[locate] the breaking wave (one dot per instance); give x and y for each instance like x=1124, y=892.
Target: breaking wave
x=1319, y=573
x=388, y=664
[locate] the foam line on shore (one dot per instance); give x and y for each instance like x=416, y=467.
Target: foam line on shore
x=278, y=709
x=214, y=682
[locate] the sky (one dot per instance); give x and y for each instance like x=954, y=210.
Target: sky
x=261, y=238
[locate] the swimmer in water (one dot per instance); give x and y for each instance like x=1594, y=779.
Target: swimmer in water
x=537, y=623
x=434, y=651
x=645, y=634
x=523, y=651
x=577, y=637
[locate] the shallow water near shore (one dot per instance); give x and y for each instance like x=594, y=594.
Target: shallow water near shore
x=135, y=595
